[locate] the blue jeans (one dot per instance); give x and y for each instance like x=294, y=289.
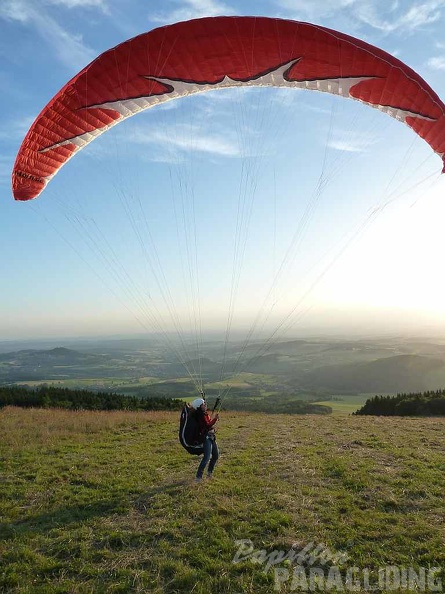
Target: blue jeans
x=210, y=449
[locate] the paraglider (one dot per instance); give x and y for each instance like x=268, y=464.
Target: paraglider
x=215, y=53
x=201, y=55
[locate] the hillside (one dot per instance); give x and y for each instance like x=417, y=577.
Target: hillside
x=105, y=502
x=57, y=362
x=391, y=374
x=56, y=356
x=298, y=369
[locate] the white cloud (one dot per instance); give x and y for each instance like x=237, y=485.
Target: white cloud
x=350, y=143
x=80, y=4
x=209, y=144
x=68, y=47
x=193, y=9
x=5, y=169
x=315, y=9
x=378, y=14
x=308, y=106
x=343, y=145
x=437, y=63
x=15, y=10
x=422, y=14
x=16, y=128
x=418, y=15
x=187, y=139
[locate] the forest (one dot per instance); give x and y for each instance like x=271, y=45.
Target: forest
x=51, y=397
x=431, y=403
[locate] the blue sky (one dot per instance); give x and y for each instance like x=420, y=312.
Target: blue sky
x=213, y=200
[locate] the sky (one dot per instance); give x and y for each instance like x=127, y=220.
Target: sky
x=274, y=212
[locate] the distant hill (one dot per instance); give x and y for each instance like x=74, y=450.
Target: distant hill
x=208, y=369
x=313, y=366
x=30, y=364
x=56, y=356
x=275, y=364
x=289, y=347
x=391, y=374
x=205, y=365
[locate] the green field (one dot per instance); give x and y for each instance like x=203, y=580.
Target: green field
x=252, y=386
x=346, y=405
x=339, y=408
x=245, y=380
x=106, y=502
x=106, y=383
x=241, y=380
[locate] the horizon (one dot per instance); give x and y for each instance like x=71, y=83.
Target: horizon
x=307, y=334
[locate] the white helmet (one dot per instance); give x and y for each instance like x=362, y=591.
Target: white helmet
x=198, y=402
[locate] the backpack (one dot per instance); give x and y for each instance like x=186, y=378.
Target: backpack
x=189, y=436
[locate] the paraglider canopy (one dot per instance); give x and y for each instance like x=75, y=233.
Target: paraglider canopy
x=214, y=53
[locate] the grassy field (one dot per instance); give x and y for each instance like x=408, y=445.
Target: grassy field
x=241, y=380
x=109, y=383
x=105, y=502
x=347, y=404
x=339, y=407
x=262, y=386
x=245, y=380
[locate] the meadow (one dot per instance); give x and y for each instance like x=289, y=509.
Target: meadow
x=96, y=502
x=346, y=403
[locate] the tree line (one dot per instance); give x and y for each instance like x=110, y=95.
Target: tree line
x=420, y=404
x=53, y=397
x=282, y=404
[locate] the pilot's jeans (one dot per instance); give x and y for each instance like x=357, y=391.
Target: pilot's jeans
x=210, y=449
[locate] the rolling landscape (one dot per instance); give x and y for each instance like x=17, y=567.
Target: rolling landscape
x=336, y=373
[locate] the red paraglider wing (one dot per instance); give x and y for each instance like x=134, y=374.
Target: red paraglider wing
x=219, y=52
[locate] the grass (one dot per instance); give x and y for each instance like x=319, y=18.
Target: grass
x=97, y=502
x=339, y=407
x=244, y=380
x=79, y=383
x=347, y=404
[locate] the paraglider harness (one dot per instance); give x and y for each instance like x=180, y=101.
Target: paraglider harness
x=189, y=430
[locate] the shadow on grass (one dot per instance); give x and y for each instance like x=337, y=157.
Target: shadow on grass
x=77, y=514
x=61, y=517
x=170, y=489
